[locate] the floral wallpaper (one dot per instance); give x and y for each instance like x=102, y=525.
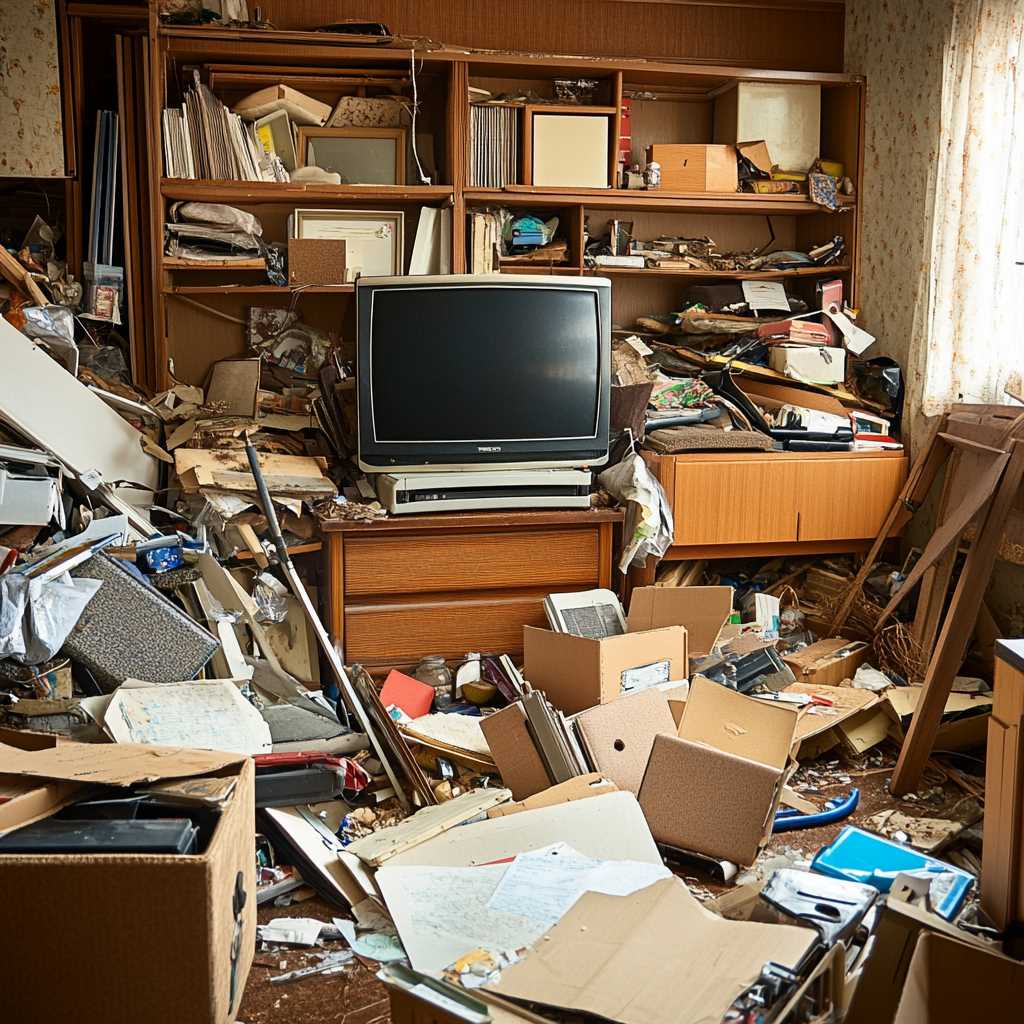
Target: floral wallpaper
x=898, y=45
x=30, y=111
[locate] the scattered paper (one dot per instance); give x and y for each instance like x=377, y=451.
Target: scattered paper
x=462, y=731
x=544, y=884
x=380, y=946
x=207, y=715
x=765, y=295
x=856, y=338
x=292, y=931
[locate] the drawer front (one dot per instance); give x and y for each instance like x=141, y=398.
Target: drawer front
x=401, y=632
x=846, y=499
x=426, y=563
x=735, y=502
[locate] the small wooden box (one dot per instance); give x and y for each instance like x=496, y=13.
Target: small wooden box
x=687, y=168
x=316, y=261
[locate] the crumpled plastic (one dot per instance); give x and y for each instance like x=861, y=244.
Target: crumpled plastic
x=868, y=678
x=271, y=598
x=649, y=526
x=36, y=616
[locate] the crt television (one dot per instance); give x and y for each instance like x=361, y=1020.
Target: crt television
x=500, y=371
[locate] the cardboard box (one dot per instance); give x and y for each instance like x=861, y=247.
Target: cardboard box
x=950, y=981
x=703, y=611
x=785, y=115
x=714, y=788
x=617, y=737
x=814, y=364
x=155, y=938
x=828, y=662
x=576, y=673
x=686, y=168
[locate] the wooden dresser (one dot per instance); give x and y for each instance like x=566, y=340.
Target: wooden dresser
x=739, y=504
x=412, y=585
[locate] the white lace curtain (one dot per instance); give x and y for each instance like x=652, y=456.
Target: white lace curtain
x=973, y=318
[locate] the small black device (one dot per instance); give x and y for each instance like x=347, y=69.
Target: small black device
x=55, y=835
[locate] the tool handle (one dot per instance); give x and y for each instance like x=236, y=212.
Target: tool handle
x=268, y=506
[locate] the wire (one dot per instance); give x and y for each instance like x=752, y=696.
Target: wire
x=415, y=108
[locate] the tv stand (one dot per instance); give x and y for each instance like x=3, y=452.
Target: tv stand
x=406, y=586
x=485, y=489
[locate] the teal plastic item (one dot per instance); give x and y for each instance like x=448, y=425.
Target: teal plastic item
x=863, y=857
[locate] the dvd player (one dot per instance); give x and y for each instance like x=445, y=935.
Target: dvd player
x=466, y=490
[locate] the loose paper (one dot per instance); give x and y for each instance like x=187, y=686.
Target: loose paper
x=765, y=295
x=543, y=885
x=856, y=338
x=209, y=715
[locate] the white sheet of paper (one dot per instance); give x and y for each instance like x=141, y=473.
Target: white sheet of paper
x=765, y=295
x=442, y=913
x=544, y=884
x=856, y=338
x=208, y=715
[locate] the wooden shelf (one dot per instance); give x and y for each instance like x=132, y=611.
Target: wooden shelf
x=298, y=549
x=655, y=201
x=258, y=289
x=200, y=190
x=720, y=275
x=177, y=263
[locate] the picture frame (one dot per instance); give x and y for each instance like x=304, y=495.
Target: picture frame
x=362, y=156
x=374, y=239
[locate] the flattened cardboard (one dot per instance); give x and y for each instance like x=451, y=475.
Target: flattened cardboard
x=576, y=673
x=112, y=764
x=702, y=610
x=646, y=958
x=512, y=747
x=609, y=827
x=828, y=662
x=715, y=787
x=949, y=982
x=618, y=737
x=157, y=920
x=583, y=786
x=815, y=720
x=954, y=733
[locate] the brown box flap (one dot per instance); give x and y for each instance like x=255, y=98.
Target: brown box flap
x=702, y=610
x=112, y=764
x=514, y=752
x=743, y=726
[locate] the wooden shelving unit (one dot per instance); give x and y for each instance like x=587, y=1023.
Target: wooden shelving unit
x=201, y=307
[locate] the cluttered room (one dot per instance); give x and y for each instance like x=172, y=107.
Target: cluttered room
x=511, y=512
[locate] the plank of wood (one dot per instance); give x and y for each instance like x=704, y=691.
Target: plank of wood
x=957, y=628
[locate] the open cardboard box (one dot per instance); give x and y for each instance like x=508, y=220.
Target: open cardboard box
x=714, y=788
x=576, y=672
x=163, y=939
x=703, y=611
x=828, y=662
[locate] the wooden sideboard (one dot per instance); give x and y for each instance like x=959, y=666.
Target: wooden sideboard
x=740, y=504
x=408, y=586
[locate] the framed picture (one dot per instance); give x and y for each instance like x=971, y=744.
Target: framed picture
x=374, y=239
x=362, y=156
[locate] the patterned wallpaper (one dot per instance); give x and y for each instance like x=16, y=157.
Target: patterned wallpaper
x=30, y=112
x=898, y=45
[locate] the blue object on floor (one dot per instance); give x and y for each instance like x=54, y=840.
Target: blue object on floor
x=789, y=818
x=860, y=856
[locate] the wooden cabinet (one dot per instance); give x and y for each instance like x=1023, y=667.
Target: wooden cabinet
x=447, y=584
x=762, y=503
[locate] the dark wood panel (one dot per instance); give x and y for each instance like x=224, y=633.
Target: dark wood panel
x=425, y=562
x=791, y=35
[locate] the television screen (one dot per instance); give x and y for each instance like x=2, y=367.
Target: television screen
x=484, y=364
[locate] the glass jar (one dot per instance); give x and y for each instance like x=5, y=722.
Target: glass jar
x=434, y=671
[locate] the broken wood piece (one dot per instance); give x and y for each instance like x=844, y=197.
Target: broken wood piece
x=252, y=544
x=957, y=628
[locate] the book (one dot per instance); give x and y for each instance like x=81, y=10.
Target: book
x=494, y=145
x=596, y=614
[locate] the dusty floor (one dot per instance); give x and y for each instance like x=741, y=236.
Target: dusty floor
x=356, y=997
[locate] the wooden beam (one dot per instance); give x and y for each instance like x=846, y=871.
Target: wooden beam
x=957, y=628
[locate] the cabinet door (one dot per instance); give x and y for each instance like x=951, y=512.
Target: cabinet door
x=742, y=502
x=846, y=499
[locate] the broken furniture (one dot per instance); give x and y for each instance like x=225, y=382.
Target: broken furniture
x=399, y=589
x=1002, y=888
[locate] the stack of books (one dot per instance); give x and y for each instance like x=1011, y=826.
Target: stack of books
x=494, y=145
x=796, y=332
x=203, y=139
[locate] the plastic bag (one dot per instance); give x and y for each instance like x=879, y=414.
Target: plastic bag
x=36, y=617
x=271, y=598
x=649, y=526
